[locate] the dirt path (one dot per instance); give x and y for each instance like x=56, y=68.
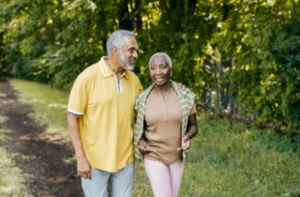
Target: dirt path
x=52, y=177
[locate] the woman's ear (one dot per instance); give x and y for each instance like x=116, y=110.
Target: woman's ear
x=171, y=72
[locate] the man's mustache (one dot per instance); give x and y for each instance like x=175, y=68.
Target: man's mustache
x=132, y=58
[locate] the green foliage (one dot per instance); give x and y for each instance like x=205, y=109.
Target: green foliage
x=250, y=47
x=287, y=51
x=266, y=74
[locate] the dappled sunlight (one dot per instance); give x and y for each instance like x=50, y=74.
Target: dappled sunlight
x=58, y=105
x=31, y=100
x=63, y=179
x=43, y=136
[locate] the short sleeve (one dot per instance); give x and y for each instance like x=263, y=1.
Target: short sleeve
x=193, y=110
x=78, y=97
x=140, y=88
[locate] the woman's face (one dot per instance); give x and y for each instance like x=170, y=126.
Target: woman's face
x=160, y=71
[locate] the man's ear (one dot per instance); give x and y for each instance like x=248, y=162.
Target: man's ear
x=115, y=51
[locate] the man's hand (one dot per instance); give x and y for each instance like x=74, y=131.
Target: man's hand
x=84, y=168
x=144, y=148
x=181, y=87
x=186, y=143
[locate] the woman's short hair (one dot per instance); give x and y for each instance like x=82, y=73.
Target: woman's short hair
x=116, y=40
x=168, y=59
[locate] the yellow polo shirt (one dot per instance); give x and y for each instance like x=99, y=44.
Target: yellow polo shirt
x=107, y=108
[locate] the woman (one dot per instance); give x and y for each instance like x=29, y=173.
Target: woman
x=166, y=121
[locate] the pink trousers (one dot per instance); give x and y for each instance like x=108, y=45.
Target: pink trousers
x=164, y=178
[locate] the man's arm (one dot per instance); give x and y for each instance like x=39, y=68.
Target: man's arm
x=83, y=165
x=181, y=87
x=144, y=148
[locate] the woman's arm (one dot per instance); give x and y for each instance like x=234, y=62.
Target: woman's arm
x=192, y=130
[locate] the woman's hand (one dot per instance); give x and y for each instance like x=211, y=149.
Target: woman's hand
x=186, y=143
x=144, y=148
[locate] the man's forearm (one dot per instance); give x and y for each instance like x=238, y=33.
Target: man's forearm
x=83, y=165
x=74, y=133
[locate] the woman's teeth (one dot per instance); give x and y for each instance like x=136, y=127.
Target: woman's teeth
x=159, y=79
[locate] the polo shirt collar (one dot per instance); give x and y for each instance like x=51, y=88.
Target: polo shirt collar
x=106, y=71
x=125, y=74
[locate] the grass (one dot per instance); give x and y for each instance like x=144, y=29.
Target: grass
x=12, y=178
x=3, y=119
x=49, y=105
x=231, y=160
x=225, y=160
x=3, y=131
x=2, y=134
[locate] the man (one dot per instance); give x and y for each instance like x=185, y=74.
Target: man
x=101, y=113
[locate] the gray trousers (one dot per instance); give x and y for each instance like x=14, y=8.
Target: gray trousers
x=120, y=181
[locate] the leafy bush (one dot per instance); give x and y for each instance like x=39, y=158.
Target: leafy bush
x=267, y=79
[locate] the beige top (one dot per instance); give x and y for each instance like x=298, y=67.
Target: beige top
x=163, y=127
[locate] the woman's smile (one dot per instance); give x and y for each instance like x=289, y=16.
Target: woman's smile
x=160, y=71
x=159, y=79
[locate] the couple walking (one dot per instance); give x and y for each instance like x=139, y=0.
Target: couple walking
x=105, y=99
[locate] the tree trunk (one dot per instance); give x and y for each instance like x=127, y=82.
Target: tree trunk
x=138, y=15
x=225, y=82
x=293, y=5
x=192, y=6
x=172, y=5
x=125, y=21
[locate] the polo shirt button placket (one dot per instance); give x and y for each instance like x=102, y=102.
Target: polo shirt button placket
x=165, y=109
x=165, y=101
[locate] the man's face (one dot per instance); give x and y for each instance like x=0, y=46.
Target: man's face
x=128, y=54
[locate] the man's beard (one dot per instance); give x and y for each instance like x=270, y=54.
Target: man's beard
x=125, y=62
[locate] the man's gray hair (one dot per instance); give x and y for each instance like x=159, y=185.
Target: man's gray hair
x=169, y=60
x=116, y=40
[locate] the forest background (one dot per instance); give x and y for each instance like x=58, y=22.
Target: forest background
x=238, y=56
